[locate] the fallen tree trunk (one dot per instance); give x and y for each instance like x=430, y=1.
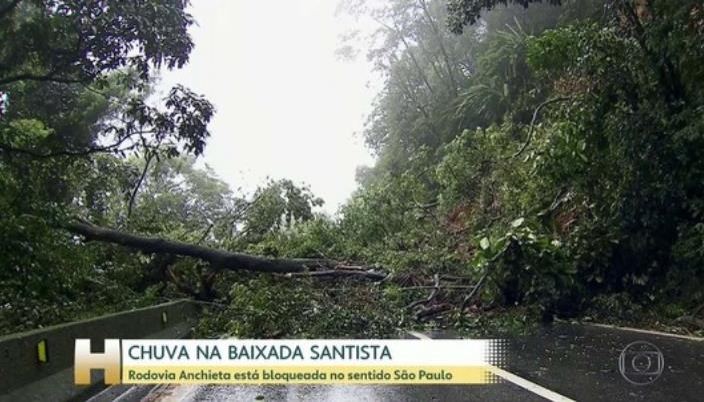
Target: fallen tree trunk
x=218, y=259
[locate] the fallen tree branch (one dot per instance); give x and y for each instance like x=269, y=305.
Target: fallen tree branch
x=433, y=287
x=483, y=278
x=351, y=267
x=454, y=278
x=181, y=285
x=474, y=291
x=431, y=297
x=427, y=313
x=218, y=259
x=436, y=288
x=339, y=273
x=693, y=321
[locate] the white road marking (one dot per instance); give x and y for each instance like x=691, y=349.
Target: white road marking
x=521, y=382
x=645, y=331
x=530, y=386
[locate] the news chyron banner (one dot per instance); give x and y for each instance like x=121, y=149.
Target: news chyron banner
x=235, y=361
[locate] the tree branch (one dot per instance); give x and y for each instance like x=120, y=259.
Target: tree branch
x=341, y=273
x=485, y=275
x=532, y=123
x=133, y=196
x=431, y=297
x=474, y=291
x=218, y=259
x=221, y=260
x=407, y=46
x=438, y=35
x=434, y=287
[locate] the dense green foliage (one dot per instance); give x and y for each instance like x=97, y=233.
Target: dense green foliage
x=548, y=149
x=561, y=161
x=75, y=79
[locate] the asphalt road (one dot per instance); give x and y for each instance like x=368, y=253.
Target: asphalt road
x=582, y=362
x=562, y=362
x=357, y=393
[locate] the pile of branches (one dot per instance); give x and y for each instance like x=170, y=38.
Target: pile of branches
x=435, y=304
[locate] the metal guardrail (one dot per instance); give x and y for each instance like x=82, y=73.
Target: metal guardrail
x=38, y=365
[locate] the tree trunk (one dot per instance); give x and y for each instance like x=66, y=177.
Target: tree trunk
x=221, y=260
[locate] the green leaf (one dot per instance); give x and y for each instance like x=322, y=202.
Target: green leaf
x=518, y=222
x=484, y=243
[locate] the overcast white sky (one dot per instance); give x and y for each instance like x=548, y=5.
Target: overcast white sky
x=286, y=106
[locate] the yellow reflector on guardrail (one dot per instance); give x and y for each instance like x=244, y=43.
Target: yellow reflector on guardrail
x=41, y=352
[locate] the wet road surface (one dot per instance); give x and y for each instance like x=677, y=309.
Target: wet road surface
x=561, y=362
x=347, y=393
x=581, y=361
